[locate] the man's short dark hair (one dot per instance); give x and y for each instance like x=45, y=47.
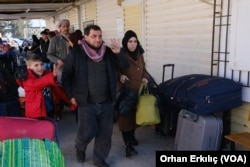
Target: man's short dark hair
x=91, y=27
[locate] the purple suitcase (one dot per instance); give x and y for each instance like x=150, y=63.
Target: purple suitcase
x=198, y=132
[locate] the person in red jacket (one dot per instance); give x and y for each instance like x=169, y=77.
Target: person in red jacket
x=40, y=86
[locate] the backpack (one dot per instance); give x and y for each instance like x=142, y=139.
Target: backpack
x=8, y=85
x=24, y=152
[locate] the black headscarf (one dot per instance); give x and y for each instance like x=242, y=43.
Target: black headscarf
x=35, y=39
x=139, y=50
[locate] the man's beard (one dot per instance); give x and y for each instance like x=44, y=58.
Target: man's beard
x=93, y=47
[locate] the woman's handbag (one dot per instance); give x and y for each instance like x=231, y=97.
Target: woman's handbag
x=126, y=99
x=147, y=110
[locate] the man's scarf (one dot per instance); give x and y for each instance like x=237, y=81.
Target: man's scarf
x=95, y=55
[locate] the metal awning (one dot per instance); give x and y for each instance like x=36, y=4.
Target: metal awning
x=32, y=9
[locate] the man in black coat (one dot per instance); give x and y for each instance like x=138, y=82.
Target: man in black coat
x=89, y=79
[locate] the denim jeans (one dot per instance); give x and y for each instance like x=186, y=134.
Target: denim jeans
x=95, y=121
x=47, y=66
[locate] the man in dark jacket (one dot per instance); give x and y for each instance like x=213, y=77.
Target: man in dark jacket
x=44, y=44
x=89, y=79
x=9, y=58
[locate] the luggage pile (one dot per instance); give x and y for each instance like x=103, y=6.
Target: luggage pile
x=202, y=94
x=194, y=107
x=29, y=142
x=24, y=141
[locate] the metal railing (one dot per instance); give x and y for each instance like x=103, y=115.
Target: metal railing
x=220, y=42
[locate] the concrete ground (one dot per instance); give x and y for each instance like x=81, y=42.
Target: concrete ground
x=148, y=140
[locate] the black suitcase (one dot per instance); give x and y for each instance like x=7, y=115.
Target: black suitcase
x=168, y=113
x=202, y=94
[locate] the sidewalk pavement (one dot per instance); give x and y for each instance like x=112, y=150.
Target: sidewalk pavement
x=148, y=140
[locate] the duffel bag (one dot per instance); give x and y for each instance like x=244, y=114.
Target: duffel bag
x=27, y=152
x=202, y=94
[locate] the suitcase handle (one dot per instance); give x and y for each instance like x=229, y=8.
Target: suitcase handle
x=190, y=116
x=164, y=68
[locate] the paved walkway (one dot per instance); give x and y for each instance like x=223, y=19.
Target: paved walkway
x=149, y=142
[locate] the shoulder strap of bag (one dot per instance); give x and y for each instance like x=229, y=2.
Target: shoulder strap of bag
x=143, y=89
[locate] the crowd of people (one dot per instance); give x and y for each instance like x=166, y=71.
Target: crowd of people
x=85, y=73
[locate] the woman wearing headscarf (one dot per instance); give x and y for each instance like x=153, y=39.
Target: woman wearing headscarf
x=134, y=76
x=35, y=45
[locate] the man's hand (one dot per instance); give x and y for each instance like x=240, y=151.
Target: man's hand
x=60, y=63
x=55, y=70
x=115, y=46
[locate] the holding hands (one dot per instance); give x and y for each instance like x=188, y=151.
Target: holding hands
x=55, y=69
x=73, y=101
x=60, y=63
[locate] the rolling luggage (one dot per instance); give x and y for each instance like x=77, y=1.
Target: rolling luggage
x=168, y=113
x=19, y=127
x=198, y=132
x=202, y=94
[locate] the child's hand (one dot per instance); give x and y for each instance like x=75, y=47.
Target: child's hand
x=55, y=69
x=73, y=105
x=73, y=101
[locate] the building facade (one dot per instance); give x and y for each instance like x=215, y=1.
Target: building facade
x=178, y=32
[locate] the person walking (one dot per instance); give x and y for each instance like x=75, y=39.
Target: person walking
x=89, y=79
x=134, y=76
x=59, y=47
x=57, y=52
